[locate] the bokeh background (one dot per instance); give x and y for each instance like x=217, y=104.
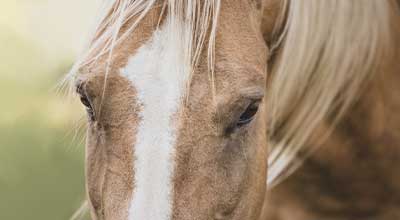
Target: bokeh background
x=41, y=130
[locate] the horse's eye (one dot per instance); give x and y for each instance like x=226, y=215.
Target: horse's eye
x=248, y=115
x=88, y=106
x=83, y=96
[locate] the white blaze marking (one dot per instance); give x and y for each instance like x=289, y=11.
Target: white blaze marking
x=159, y=75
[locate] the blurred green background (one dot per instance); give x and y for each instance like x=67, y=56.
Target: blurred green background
x=41, y=130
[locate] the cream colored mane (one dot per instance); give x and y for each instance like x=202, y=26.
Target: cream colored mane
x=325, y=53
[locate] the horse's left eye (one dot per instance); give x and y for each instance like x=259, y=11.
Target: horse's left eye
x=248, y=115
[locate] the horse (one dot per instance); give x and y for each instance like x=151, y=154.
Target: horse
x=201, y=109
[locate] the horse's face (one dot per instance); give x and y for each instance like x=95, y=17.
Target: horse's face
x=162, y=148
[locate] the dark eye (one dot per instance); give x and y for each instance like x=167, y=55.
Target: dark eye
x=248, y=115
x=88, y=106
x=85, y=101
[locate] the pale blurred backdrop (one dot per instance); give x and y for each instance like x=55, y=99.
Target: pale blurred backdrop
x=41, y=154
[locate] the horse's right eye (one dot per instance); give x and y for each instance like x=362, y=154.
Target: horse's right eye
x=88, y=106
x=85, y=102
x=80, y=89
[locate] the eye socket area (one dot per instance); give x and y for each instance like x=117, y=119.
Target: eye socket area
x=236, y=111
x=249, y=113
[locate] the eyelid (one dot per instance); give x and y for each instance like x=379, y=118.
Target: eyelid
x=80, y=87
x=253, y=93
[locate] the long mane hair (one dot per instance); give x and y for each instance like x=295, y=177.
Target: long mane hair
x=327, y=52
x=324, y=52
